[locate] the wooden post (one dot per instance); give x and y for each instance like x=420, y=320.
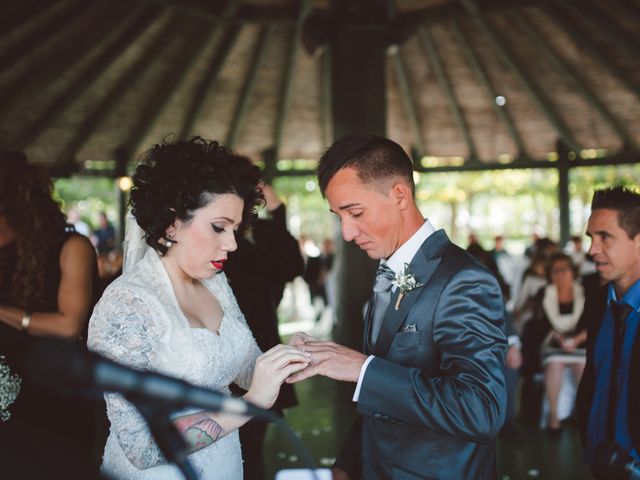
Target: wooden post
x=564, y=163
x=358, y=50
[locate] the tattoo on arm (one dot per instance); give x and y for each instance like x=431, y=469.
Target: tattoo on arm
x=199, y=430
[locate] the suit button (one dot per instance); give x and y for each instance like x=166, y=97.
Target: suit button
x=377, y=415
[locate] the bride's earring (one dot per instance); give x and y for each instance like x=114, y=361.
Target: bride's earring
x=169, y=241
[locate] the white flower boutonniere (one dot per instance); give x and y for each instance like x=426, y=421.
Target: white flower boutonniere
x=406, y=282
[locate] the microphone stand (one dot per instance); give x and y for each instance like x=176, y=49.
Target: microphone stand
x=169, y=440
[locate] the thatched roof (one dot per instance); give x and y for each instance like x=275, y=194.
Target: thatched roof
x=83, y=80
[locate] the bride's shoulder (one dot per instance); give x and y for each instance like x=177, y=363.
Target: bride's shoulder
x=137, y=283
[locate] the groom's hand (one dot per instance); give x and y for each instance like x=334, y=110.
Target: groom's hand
x=299, y=339
x=330, y=360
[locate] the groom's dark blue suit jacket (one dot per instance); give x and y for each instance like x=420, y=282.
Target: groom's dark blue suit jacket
x=433, y=398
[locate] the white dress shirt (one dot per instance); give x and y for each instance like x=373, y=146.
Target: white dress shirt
x=396, y=262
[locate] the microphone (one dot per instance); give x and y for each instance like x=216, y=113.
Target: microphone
x=613, y=461
x=60, y=365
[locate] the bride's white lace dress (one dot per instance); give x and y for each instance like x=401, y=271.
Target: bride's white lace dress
x=138, y=322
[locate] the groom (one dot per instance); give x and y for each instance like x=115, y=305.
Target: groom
x=430, y=387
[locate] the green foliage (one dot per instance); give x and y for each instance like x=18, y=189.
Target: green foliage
x=90, y=196
x=308, y=212
x=513, y=203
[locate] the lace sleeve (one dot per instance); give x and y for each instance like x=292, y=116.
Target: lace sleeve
x=123, y=329
x=252, y=352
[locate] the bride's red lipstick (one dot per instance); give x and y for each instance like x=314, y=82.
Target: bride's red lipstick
x=218, y=264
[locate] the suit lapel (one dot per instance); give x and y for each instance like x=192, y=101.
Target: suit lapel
x=423, y=265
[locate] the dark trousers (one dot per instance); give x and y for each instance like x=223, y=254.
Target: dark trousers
x=252, y=436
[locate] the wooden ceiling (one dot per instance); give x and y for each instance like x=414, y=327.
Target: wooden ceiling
x=487, y=80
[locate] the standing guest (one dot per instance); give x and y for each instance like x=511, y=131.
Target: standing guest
x=505, y=264
x=580, y=258
x=267, y=258
x=172, y=311
x=48, y=282
x=533, y=280
x=74, y=218
x=609, y=394
x=430, y=386
x=104, y=237
x=560, y=306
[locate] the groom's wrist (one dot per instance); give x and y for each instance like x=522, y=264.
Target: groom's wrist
x=356, y=394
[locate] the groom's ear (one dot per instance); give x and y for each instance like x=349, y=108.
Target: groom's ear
x=401, y=195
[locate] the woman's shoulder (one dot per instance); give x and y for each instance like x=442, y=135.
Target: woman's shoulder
x=75, y=243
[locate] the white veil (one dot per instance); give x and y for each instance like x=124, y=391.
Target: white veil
x=135, y=245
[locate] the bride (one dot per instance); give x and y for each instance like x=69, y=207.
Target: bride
x=173, y=312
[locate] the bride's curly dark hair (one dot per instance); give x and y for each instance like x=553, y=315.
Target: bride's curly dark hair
x=26, y=201
x=176, y=178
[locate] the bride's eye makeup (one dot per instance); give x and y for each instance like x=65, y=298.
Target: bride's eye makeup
x=217, y=228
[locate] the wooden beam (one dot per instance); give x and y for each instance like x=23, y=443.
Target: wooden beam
x=482, y=76
x=431, y=52
x=53, y=27
x=126, y=80
x=404, y=25
x=123, y=36
x=243, y=101
x=255, y=14
x=225, y=43
x=575, y=78
x=17, y=14
x=626, y=9
x=408, y=100
x=600, y=19
x=519, y=71
x=169, y=84
x=81, y=38
x=624, y=158
x=288, y=79
x=209, y=79
x=584, y=42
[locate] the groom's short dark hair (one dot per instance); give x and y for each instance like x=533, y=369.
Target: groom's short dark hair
x=373, y=157
x=625, y=201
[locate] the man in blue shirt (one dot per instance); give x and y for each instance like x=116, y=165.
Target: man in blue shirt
x=609, y=394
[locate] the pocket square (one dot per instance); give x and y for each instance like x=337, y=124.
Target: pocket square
x=410, y=328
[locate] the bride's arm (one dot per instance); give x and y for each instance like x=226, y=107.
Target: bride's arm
x=271, y=369
x=123, y=329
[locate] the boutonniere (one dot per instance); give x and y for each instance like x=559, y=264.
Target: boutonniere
x=406, y=282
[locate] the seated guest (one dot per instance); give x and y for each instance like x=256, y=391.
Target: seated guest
x=559, y=308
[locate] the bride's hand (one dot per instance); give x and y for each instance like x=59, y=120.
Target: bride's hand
x=272, y=368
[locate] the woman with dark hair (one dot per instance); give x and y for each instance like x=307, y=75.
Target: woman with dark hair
x=172, y=311
x=48, y=282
